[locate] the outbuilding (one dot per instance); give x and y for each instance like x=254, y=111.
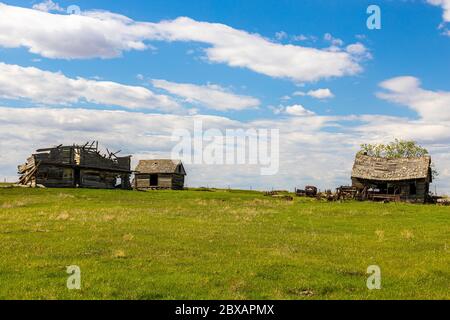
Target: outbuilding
x=399, y=179
x=73, y=166
x=159, y=174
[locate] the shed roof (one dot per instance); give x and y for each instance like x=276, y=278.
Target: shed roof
x=161, y=166
x=384, y=169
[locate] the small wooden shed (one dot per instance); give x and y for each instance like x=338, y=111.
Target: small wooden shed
x=159, y=174
x=402, y=179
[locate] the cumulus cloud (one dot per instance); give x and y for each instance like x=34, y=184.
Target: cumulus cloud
x=296, y=110
x=407, y=91
x=281, y=35
x=334, y=41
x=358, y=50
x=318, y=94
x=326, y=156
x=445, y=4
x=211, y=96
x=239, y=48
x=302, y=37
x=89, y=35
x=44, y=87
x=48, y=6
x=107, y=35
x=150, y=135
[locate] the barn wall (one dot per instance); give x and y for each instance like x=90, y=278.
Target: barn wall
x=178, y=182
x=54, y=177
x=422, y=188
x=60, y=167
x=141, y=181
x=61, y=155
x=165, y=181
x=124, y=162
x=126, y=183
x=97, y=179
x=90, y=159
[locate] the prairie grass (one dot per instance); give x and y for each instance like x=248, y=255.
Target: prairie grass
x=218, y=244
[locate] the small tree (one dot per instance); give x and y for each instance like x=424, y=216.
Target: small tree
x=397, y=149
x=394, y=150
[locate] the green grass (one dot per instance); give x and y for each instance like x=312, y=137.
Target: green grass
x=6, y=184
x=217, y=245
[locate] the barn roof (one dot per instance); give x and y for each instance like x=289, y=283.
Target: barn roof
x=161, y=166
x=373, y=168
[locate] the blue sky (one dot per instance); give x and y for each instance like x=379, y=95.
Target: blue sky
x=411, y=43
x=408, y=44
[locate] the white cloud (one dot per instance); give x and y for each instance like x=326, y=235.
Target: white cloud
x=44, y=87
x=298, y=111
x=358, y=50
x=281, y=35
x=89, y=35
x=318, y=94
x=47, y=6
x=407, y=91
x=326, y=156
x=334, y=41
x=211, y=96
x=300, y=37
x=107, y=35
x=445, y=4
x=149, y=135
x=241, y=49
x=321, y=94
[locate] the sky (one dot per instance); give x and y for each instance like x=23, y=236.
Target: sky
x=131, y=73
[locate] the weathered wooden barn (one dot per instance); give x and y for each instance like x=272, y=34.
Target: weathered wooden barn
x=159, y=174
x=403, y=179
x=76, y=166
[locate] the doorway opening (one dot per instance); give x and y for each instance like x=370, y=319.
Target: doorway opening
x=153, y=180
x=77, y=177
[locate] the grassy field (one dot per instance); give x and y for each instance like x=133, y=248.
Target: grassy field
x=217, y=245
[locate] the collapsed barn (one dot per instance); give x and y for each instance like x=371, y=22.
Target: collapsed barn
x=402, y=179
x=76, y=166
x=159, y=174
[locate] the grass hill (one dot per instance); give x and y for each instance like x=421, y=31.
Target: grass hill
x=217, y=245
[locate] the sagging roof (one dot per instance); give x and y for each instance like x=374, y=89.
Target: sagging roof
x=161, y=166
x=82, y=156
x=373, y=168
